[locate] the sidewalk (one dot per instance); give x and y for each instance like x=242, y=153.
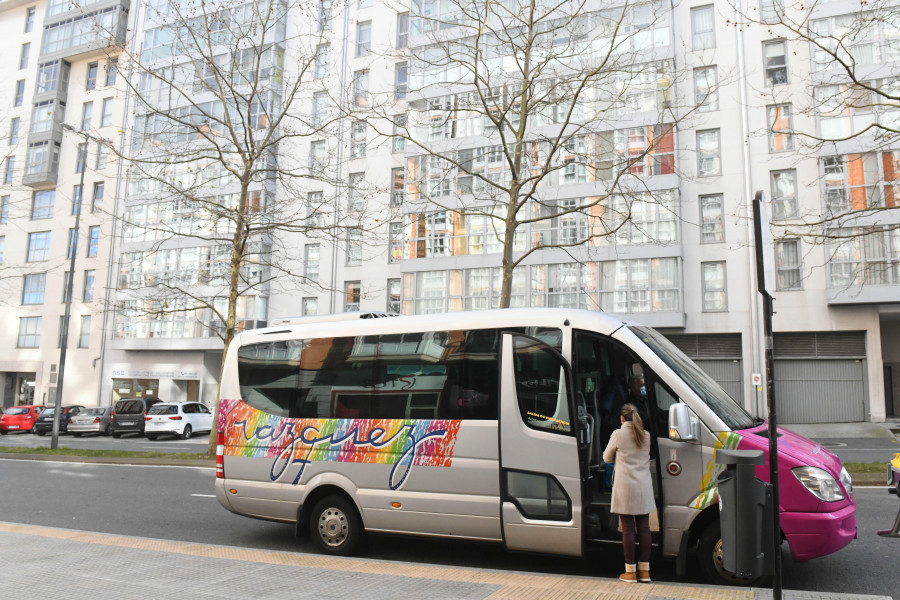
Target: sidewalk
x=889, y=429
x=93, y=566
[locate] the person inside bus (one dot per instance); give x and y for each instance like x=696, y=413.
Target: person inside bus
x=611, y=406
x=632, y=492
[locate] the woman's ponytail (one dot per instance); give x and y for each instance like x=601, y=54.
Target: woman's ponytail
x=630, y=413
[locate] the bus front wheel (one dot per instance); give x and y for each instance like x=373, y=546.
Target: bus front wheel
x=336, y=526
x=709, y=553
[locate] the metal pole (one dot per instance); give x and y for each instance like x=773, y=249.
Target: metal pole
x=764, y=286
x=773, y=448
x=64, y=342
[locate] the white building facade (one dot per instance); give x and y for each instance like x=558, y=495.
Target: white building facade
x=682, y=262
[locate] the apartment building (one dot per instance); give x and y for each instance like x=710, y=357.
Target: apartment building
x=62, y=114
x=701, y=119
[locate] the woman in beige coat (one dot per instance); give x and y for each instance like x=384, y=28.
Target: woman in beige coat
x=632, y=492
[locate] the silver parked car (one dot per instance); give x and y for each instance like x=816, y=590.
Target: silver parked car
x=90, y=420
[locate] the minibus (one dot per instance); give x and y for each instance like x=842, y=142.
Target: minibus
x=489, y=426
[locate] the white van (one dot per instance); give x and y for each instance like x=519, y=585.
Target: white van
x=490, y=426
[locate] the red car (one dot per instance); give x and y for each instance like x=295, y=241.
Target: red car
x=19, y=418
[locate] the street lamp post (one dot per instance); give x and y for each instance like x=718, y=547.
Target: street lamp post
x=70, y=284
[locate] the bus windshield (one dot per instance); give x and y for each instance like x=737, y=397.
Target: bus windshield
x=727, y=409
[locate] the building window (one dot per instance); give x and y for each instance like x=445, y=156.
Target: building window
x=865, y=255
x=4, y=209
x=358, y=139
x=854, y=181
x=29, y=332
x=361, y=88
x=310, y=307
x=311, y=262
x=84, y=337
x=29, y=19
x=398, y=186
x=81, y=158
x=708, y=153
x=712, y=221
x=23, y=57
x=363, y=38
x=320, y=70
x=106, y=115
x=319, y=109
x=784, y=194
x=317, y=156
x=395, y=242
x=394, y=288
x=706, y=95
x=33, y=289
x=13, y=131
x=398, y=142
x=703, y=27
x=42, y=158
x=715, y=298
x=354, y=247
x=20, y=92
x=9, y=168
x=787, y=264
x=775, y=59
x=97, y=199
x=72, y=245
x=87, y=293
x=112, y=70
x=780, y=123
x=401, y=80
x=640, y=285
x=91, y=79
x=402, y=30
x=87, y=113
x=352, y=294
x=102, y=156
x=76, y=199
x=356, y=201
x=67, y=281
x=770, y=11
x=42, y=204
x=324, y=18
x=60, y=330
x=93, y=240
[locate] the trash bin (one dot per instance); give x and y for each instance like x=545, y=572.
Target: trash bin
x=745, y=513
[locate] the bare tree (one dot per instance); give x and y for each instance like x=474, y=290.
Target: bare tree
x=213, y=183
x=844, y=78
x=540, y=88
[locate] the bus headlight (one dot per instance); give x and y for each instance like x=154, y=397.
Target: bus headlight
x=819, y=483
x=847, y=481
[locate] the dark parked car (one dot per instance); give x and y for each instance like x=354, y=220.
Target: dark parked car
x=128, y=415
x=44, y=423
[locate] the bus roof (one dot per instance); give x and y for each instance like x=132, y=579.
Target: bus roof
x=350, y=324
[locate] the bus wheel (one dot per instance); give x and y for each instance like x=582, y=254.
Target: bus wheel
x=335, y=526
x=709, y=553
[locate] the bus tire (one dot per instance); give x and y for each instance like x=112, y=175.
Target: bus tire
x=709, y=553
x=335, y=526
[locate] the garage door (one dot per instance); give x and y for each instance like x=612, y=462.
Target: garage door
x=820, y=377
x=719, y=355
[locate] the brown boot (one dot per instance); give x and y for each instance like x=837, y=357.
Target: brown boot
x=630, y=574
x=643, y=572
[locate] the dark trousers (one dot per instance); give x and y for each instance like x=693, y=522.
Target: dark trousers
x=636, y=532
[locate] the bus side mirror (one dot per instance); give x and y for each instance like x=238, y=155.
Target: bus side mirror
x=683, y=426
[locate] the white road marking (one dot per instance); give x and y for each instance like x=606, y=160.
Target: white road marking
x=99, y=464
x=204, y=495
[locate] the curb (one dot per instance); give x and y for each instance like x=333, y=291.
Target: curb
x=116, y=460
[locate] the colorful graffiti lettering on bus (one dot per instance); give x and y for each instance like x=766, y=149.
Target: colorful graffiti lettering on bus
x=709, y=491
x=402, y=442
